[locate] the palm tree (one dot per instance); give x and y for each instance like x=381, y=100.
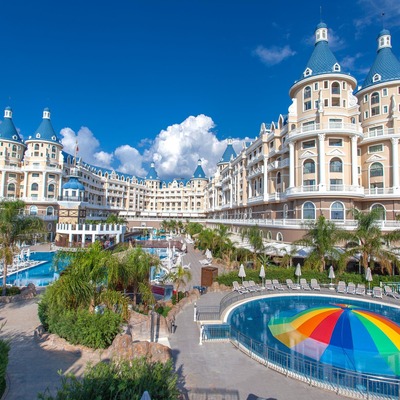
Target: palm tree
x=15, y=227
x=179, y=277
x=254, y=236
x=322, y=236
x=116, y=220
x=369, y=241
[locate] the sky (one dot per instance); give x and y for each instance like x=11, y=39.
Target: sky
x=169, y=81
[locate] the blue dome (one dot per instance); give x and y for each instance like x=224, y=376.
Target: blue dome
x=45, y=131
x=73, y=184
x=199, y=172
x=229, y=153
x=321, y=25
x=7, y=128
x=152, y=174
x=383, y=32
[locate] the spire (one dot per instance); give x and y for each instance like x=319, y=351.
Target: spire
x=7, y=127
x=152, y=174
x=321, y=32
x=199, y=172
x=229, y=153
x=45, y=131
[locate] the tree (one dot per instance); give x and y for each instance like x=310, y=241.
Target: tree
x=192, y=228
x=15, y=227
x=322, y=237
x=116, y=220
x=254, y=236
x=369, y=241
x=179, y=277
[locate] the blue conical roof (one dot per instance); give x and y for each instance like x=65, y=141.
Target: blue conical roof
x=199, y=172
x=45, y=131
x=7, y=127
x=152, y=174
x=74, y=184
x=229, y=153
x=386, y=65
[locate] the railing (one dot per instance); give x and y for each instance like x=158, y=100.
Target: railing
x=378, y=191
x=344, y=382
x=336, y=126
x=73, y=198
x=255, y=172
x=380, y=132
x=255, y=199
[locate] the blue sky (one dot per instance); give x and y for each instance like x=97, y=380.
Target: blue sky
x=170, y=81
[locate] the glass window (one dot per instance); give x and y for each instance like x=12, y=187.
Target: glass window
x=307, y=105
x=382, y=210
x=337, y=210
x=51, y=188
x=309, y=167
x=11, y=187
x=376, y=170
x=376, y=148
x=336, y=165
x=335, y=89
x=335, y=142
x=50, y=211
x=278, y=178
x=308, y=210
x=375, y=108
x=34, y=186
x=33, y=210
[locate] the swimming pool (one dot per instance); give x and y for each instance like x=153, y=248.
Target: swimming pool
x=329, y=331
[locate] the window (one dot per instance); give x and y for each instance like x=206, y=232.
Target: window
x=337, y=210
x=278, y=178
x=335, y=89
x=307, y=105
x=382, y=210
x=326, y=84
x=308, y=126
x=344, y=85
x=308, y=210
x=11, y=187
x=336, y=165
x=36, y=147
x=335, y=142
x=336, y=67
x=309, y=185
x=51, y=188
x=34, y=187
x=309, y=167
x=316, y=86
x=365, y=98
x=365, y=114
x=385, y=109
x=335, y=101
x=279, y=237
x=50, y=210
x=309, y=144
x=376, y=170
x=33, y=210
x=376, y=78
x=376, y=148
x=326, y=102
x=307, y=92
x=335, y=123
x=384, y=92
x=375, y=108
x=336, y=184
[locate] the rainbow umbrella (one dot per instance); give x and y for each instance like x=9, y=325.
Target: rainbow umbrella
x=343, y=336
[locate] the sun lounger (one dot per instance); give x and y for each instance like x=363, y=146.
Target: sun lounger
x=390, y=293
x=255, y=286
x=360, y=290
x=304, y=285
x=314, y=284
x=291, y=285
x=269, y=285
x=377, y=292
x=351, y=288
x=277, y=285
x=238, y=288
x=248, y=287
x=341, y=287
x=205, y=262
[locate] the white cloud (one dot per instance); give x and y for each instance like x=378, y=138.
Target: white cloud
x=335, y=41
x=130, y=160
x=103, y=158
x=273, y=55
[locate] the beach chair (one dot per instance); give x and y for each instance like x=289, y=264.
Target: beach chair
x=291, y=285
x=238, y=288
x=277, y=285
x=258, y=288
x=304, y=285
x=377, y=292
x=248, y=287
x=360, y=289
x=351, y=288
x=390, y=293
x=314, y=284
x=341, y=287
x=269, y=285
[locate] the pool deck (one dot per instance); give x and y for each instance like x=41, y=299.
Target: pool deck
x=212, y=371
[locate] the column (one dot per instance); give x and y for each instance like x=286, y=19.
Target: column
x=230, y=195
x=265, y=172
x=3, y=183
x=354, y=161
x=291, y=165
x=44, y=183
x=395, y=163
x=250, y=193
x=321, y=151
x=25, y=184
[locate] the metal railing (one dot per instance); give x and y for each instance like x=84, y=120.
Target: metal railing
x=343, y=382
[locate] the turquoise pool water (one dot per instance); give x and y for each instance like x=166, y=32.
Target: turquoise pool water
x=356, y=344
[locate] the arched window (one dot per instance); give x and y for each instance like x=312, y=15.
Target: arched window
x=375, y=106
x=34, y=187
x=376, y=170
x=269, y=235
x=336, y=165
x=14, y=147
x=382, y=210
x=11, y=187
x=285, y=211
x=309, y=167
x=279, y=237
x=50, y=210
x=278, y=178
x=50, y=188
x=337, y=210
x=335, y=89
x=53, y=149
x=36, y=146
x=307, y=92
x=308, y=210
x=33, y=210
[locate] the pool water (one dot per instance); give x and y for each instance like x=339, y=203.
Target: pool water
x=264, y=320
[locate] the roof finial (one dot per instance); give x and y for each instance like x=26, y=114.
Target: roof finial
x=383, y=20
x=320, y=13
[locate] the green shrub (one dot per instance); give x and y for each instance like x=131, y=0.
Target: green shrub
x=11, y=290
x=122, y=381
x=163, y=310
x=181, y=295
x=4, y=349
x=82, y=327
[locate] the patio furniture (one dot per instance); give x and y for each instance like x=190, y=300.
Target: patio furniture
x=291, y=285
x=351, y=288
x=341, y=287
x=360, y=289
x=277, y=285
x=314, y=284
x=238, y=288
x=269, y=285
x=304, y=284
x=390, y=293
x=377, y=292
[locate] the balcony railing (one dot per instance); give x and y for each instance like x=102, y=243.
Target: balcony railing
x=255, y=172
x=73, y=198
x=332, y=126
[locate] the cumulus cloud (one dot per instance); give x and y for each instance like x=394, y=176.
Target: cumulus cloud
x=273, y=55
x=130, y=160
x=88, y=146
